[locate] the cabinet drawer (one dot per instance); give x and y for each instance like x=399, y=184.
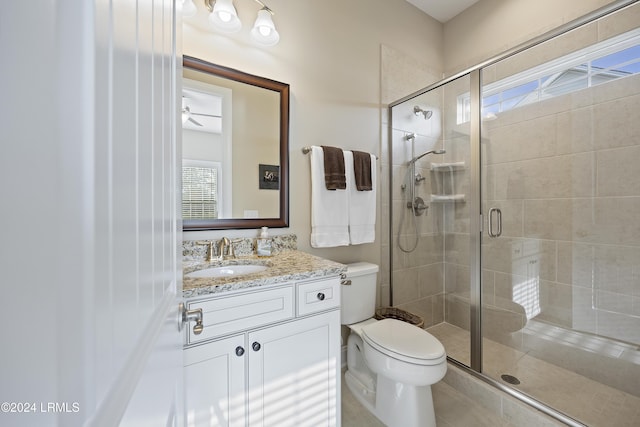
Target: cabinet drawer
x=318, y=296
x=230, y=314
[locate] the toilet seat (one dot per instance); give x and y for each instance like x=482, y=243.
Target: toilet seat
x=357, y=327
x=404, y=342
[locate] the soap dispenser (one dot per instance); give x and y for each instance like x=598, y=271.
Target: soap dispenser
x=263, y=245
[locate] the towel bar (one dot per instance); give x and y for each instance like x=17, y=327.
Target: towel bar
x=307, y=150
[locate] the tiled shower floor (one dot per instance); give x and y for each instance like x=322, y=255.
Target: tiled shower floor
x=590, y=402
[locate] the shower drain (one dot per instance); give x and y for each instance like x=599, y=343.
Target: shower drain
x=510, y=379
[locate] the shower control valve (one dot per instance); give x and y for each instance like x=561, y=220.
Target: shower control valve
x=418, y=206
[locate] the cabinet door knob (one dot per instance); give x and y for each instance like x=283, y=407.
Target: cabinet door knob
x=320, y=296
x=239, y=350
x=256, y=346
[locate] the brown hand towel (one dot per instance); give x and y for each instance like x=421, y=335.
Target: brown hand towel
x=362, y=170
x=334, y=176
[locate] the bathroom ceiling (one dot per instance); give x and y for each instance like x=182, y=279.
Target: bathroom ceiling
x=442, y=10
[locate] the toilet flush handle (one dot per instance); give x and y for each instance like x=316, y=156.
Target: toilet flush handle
x=343, y=276
x=345, y=282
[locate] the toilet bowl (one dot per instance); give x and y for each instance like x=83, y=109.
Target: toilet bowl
x=404, y=353
x=391, y=364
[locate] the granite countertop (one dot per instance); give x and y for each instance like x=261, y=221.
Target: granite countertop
x=286, y=266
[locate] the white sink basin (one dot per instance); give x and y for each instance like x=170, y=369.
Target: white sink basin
x=228, y=270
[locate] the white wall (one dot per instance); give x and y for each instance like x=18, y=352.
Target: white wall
x=330, y=54
x=491, y=27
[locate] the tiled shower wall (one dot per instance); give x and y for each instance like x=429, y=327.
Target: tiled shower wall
x=400, y=76
x=418, y=273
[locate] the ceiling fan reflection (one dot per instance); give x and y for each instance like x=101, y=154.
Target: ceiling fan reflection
x=186, y=116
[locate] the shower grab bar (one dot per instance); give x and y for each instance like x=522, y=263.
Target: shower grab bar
x=491, y=232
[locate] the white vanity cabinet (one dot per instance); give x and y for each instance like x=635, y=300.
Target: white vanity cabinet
x=266, y=357
x=214, y=378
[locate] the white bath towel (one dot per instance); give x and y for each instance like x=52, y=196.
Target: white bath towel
x=362, y=204
x=329, y=208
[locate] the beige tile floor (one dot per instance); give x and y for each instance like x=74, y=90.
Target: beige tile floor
x=452, y=408
x=590, y=402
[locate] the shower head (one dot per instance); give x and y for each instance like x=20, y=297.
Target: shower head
x=417, y=110
x=415, y=159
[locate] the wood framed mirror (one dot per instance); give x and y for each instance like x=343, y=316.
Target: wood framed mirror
x=235, y=148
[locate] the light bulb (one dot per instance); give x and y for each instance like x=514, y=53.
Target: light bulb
x=224, y=16
x=265, y=31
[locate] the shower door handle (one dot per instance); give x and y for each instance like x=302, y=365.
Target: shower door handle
x=498, y=215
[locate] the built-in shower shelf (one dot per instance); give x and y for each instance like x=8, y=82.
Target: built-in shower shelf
x=448, y=167
x=445, y=198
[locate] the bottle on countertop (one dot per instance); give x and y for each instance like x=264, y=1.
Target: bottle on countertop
x=263, y=244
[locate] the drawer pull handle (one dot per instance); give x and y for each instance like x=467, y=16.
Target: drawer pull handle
x=256, y=346
x=320, y=296
x=239, y=351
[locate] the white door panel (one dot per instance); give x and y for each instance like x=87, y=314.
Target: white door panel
x=88, y=162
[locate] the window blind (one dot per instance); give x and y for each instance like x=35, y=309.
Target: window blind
x=199, y=192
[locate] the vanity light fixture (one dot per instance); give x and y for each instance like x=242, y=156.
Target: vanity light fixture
x=224, y=17
x=264, y=30
x=188, y=8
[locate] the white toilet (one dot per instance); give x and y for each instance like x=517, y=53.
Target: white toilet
x=390, y=364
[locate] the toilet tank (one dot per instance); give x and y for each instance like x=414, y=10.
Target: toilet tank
x=358, y=300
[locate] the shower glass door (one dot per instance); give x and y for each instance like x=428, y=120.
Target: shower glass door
x=430, y=237
x=561, y=237
x=451, y=196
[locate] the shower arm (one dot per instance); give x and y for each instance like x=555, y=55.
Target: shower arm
x=412, y=164
x=415, y=159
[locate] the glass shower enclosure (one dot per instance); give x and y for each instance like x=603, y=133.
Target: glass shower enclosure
x=520, y=243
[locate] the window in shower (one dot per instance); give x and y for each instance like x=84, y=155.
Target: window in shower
x=601, y=63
